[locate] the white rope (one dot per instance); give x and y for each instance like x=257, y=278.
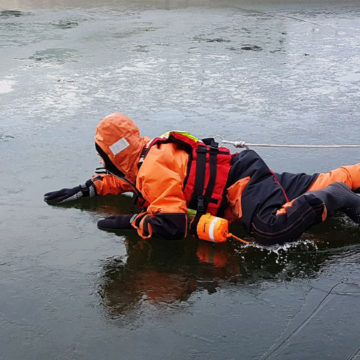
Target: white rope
x=243, y=144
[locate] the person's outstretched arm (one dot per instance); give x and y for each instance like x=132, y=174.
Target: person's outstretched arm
x=160, y=180
x=105, y=184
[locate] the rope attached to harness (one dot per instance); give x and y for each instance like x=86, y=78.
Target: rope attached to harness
x=243, y=144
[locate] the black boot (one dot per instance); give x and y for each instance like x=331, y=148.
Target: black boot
x=339, y=197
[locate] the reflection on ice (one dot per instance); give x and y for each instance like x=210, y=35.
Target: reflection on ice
x=158, y=272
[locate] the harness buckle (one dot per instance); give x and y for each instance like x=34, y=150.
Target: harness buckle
x=200, y=205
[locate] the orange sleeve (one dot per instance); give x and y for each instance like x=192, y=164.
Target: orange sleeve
x=160, y=180
x=108, y=184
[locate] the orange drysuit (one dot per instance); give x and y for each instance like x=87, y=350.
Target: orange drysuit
x=270, y=205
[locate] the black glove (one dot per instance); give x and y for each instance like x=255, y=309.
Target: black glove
x=120, y=222
x=65, y=195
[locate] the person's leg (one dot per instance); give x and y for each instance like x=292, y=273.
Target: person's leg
x=277, y=226
x=272, y=226
x=349, y=175
x=339, y=197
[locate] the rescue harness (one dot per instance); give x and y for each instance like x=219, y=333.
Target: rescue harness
x=207, y=172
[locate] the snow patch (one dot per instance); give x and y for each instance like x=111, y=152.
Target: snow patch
x=6, y=86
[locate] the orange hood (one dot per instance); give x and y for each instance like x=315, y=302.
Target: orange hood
x=119, y=143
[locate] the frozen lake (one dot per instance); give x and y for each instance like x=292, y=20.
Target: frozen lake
x=272, y=72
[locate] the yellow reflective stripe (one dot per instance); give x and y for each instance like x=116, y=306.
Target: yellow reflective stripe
x=185, y=133
x=166, y=134
x=191, y=212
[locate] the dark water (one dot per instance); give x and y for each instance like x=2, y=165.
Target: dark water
x=279, y=72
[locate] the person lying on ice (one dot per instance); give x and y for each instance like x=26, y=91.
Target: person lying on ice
x=177, y=172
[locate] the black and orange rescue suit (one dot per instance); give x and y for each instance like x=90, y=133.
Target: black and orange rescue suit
x=177, y=172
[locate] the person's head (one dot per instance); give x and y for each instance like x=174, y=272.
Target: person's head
x=119, y=144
